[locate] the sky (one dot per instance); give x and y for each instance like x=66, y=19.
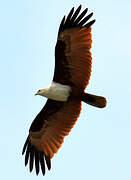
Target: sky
x=99, y=145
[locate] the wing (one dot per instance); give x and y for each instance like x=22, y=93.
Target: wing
x=72, y=52
x=48, y=130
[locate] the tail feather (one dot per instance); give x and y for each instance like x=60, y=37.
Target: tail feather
x=97, y=101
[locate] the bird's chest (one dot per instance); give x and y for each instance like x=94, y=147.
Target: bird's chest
x=59, y=92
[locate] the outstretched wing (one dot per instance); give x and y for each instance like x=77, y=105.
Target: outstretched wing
x=72, y=52
x=72, y=66
x=48, y=130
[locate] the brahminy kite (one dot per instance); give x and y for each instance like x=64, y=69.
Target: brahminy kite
x=73, y=63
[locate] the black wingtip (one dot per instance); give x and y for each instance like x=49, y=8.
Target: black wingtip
x=83, y=21
x=90, y=23
x=42, y=163
x=31, y=159
x=25, y=145
x=74, y=19
x=80, y=16
x=78, y=9
x=32, y=155
x=37, y=172
x=80, y=6
x=36, y=162
x=72, y=10
x=61, y=25
x=68, y=19
x=48, y=162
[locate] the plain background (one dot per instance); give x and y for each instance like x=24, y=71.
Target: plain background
x=99, y=146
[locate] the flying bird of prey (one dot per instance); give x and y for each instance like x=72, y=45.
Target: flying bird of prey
x=73, y=63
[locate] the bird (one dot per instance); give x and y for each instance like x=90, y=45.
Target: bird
x=73, y=66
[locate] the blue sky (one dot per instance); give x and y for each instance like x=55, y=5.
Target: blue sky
x=99, y=146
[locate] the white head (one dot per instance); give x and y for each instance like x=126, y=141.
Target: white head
x=56, y=92
x=42, y=92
